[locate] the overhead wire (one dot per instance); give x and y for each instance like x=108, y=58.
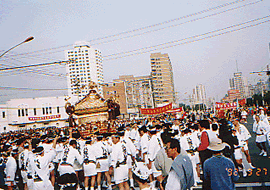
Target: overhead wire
x=36, y=71
x=167, y=43
x=31, y=89
x=139, y=29
x=144, y=49
x=172, y=20
x=190, y=21
x=177, y=40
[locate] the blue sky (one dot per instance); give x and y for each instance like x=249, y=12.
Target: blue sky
x=58, y=24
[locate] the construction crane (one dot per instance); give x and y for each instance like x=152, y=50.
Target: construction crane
x=267, y=73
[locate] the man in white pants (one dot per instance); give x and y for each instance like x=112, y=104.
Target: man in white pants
x=119, y=163
x=261, y=129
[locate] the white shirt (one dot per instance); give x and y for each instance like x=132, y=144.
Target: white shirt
x=101, y=149
x=260, y=128
x=23, y=159
x=89, y=152
x=131, y=149
x=69, y=155
x=119, y=153
x=153, y=147
x=173, y=181
x=188, y=141
x=144, y=143
x=47, y=147
x=243, y=131
x=11, y=167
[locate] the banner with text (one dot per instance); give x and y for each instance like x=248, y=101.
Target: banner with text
x=44, y=117
x=222, y=106
x=175, y=110
x=153, y=111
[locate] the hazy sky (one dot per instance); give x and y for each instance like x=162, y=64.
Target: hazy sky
x=205, y=57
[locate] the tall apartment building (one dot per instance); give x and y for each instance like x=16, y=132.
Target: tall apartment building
x=131, y=92
x=86, y=66
x=138, y=92
x=238, y=82
x=198, y=95
x=162, y=79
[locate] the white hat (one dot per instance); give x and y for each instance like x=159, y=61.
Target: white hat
x=217, y=145
x=141, y=170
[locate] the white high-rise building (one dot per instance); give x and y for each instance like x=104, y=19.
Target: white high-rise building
x=86, y=66
x=198, y=95
x=238, y=82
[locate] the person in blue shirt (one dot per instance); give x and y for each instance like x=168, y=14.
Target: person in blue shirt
x=219, y=171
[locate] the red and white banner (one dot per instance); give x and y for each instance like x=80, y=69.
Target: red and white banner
x=44, y=117
x=153, y=111
x=175, y=110
x=242, y=102
x=223, y=106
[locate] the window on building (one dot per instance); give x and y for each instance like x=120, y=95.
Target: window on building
x=47, y=110
x=3, y=114
x=22, y=112
x=57, y=109
x=35, y=111
x=50, y=108
x=26, y=111
x=43, y=111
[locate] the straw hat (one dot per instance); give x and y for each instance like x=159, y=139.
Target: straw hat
x=217, y=145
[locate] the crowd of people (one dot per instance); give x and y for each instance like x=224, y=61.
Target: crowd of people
x=161, y=152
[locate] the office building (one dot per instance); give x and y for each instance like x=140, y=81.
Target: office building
x=138, y=92
x=198, y=95
x=238, y=82
x=29, y=113
x=162, y=79
x=85, y=66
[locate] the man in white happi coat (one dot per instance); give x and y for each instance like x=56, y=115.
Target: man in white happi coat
x=11, y=167
x=155, y=145
x=89, y=164
x=261, y=129
x=144, y=143
x=243, y=135
x=102, y=160
x=68, y=157
x=39, y=162
x=131, y=152
x=119, y=163
x=24, y=164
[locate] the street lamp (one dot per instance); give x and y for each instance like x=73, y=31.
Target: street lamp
x=27, y=40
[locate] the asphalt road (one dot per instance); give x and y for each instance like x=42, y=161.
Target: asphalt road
x=262, y=172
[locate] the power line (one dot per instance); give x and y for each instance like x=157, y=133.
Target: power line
x=36, y=71
x=140, y=29
x=35, y=65
x=131, y=53
x=172, y=20
x=172, y=42
x=190, y=21
x=31, y=89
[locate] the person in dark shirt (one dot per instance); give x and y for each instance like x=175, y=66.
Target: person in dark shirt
x=219, y=172
x=2, y=173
